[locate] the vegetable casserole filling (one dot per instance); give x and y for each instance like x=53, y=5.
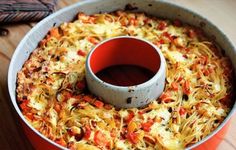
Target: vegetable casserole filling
x=52, y=93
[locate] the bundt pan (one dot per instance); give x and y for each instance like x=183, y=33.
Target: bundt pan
x=152, y=7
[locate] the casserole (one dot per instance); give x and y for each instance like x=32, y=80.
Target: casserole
x=159, y=8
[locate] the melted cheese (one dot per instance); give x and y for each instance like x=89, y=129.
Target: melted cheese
x=122, y=145
x=176, y=56
x=160, y=113
x=72, y=56
x=51, y=95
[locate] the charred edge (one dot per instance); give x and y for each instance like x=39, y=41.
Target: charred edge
x=37, y=69
x=130, y=7
x=79, y=136
x=150, y=5
x=129, y=100
x=185, y=97
x=170, y=110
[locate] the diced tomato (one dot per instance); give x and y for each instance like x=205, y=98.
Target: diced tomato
x=167, y=35
x=54, y=32
x=161, y=41
x=174, y=86
x=100, y=138
x=88, y=99
x=166, y=97
x=81, y=53
x=133, y=21
x=186, y=87
x=124, y=22
x=206, y=72
x=92, y=19
x=147, y=126
x=141, y=112
x=81, y=85
x=198, y=75
x=177, y=23
x=57, y=107
x=203, y=60
x=133, y=137
x=130, y=116
x=67, y=95
x=87, y=132
x=182, y=111
x=98, y=104
x=69, y=131
x=69, y=86
x=179, y=79
x=191, y=33
x=113, y=133
x=30, y=116
x=24, y=105
x=146, y=21
x=93, y=40
x=107, y=106
x=162, y=25
x=194, y=66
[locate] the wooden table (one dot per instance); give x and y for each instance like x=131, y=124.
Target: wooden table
x=222, y=13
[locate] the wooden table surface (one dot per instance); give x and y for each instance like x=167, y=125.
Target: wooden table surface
x=222, y=13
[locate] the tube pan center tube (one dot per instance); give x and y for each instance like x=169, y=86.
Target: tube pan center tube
x=126, y=51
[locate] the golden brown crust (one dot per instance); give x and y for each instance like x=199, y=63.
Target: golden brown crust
x=51, y=86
